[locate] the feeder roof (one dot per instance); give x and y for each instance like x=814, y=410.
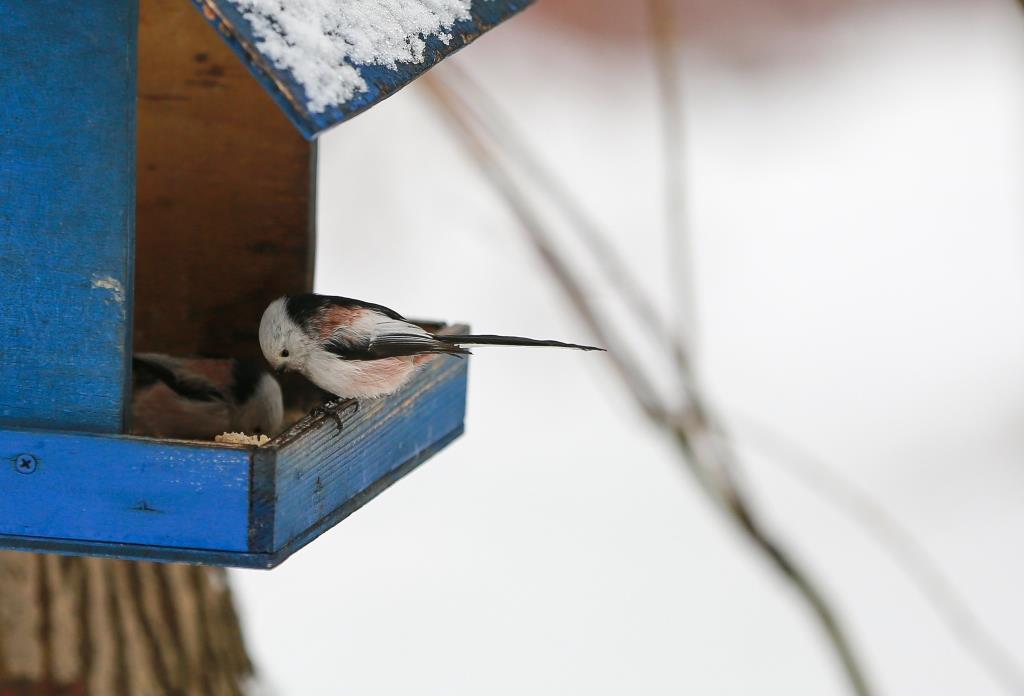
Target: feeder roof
x=324, y=61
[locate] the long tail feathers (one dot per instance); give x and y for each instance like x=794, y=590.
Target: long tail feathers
x=489, y=340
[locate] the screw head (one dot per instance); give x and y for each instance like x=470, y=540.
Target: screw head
x=25, y=463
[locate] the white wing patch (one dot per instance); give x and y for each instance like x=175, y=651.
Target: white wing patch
x=370, y=327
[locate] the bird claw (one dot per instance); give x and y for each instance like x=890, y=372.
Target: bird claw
x=336, y=409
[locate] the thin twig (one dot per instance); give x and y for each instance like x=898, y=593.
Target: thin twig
x=492, y=118
x=665, y=40
x=665, y=32
x=916, y=563
x=734, y=501
x=705, y=455
x=909, y=554
x=626, y=365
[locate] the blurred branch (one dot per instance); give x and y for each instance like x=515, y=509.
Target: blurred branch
x=625, y=363
x=704, y=452
x=665, y=33
x=490, y=116
x=952, y=607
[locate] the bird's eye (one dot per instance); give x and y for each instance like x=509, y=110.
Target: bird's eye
x=284, y=353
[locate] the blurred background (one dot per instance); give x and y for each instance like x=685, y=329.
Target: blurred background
x=851, y=188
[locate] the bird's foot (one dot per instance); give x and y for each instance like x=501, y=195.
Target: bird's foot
x=336, y=409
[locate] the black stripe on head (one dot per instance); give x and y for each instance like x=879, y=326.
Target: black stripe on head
x=302, y=308
x=245, y=375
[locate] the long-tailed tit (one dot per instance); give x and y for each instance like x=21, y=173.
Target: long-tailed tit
x=199, y=398
x=359, y=350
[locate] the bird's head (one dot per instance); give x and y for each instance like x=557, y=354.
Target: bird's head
x=285, y=344
x=263, y=411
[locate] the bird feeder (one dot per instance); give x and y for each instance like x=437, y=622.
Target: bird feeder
x=155, y=194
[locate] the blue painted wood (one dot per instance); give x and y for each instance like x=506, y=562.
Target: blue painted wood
x=265, y=561
x=67, y=200
x=382, y=81
x=360, y=499
x=138, y=498
x=123, y=489
x=320, y=474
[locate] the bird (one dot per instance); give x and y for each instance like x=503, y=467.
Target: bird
x=360, y=350
x=200, y=398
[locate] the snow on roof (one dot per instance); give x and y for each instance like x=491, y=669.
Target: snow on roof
x=323, y=43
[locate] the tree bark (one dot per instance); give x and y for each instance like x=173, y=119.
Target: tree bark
x=96, y=627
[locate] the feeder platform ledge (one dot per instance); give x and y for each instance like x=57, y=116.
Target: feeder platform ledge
x=202, y=502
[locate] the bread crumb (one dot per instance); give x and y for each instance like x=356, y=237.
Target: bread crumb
x=241, y=439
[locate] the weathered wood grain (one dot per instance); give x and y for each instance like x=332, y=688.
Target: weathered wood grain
x=67, y=181
x=382, y=82
x=89, y=626
x=225, y=193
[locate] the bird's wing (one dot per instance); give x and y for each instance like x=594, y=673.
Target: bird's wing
x=152, y=368
x=365, y=333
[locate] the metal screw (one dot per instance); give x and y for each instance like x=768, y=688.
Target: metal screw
x=25, y=463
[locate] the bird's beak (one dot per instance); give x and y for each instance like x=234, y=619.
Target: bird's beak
x=280, y=369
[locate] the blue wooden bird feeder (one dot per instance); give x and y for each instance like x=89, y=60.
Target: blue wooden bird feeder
x=154, y=196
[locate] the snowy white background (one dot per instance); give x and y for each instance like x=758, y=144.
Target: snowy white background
x=855, y=190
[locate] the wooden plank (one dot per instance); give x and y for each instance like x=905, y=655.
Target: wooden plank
x=226, y=191
x=67, y=180
x=360, y=499
x=138, y=552
x=170, y=554
x=146, y=499
x=122, y=489
x=321, y=475
x=381, y=81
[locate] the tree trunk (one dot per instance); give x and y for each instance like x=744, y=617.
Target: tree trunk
x=96, y=627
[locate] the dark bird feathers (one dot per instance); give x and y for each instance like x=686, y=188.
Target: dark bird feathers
x=398, y=345
x=305, y=309
x=392, y=346
x=491, y=340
